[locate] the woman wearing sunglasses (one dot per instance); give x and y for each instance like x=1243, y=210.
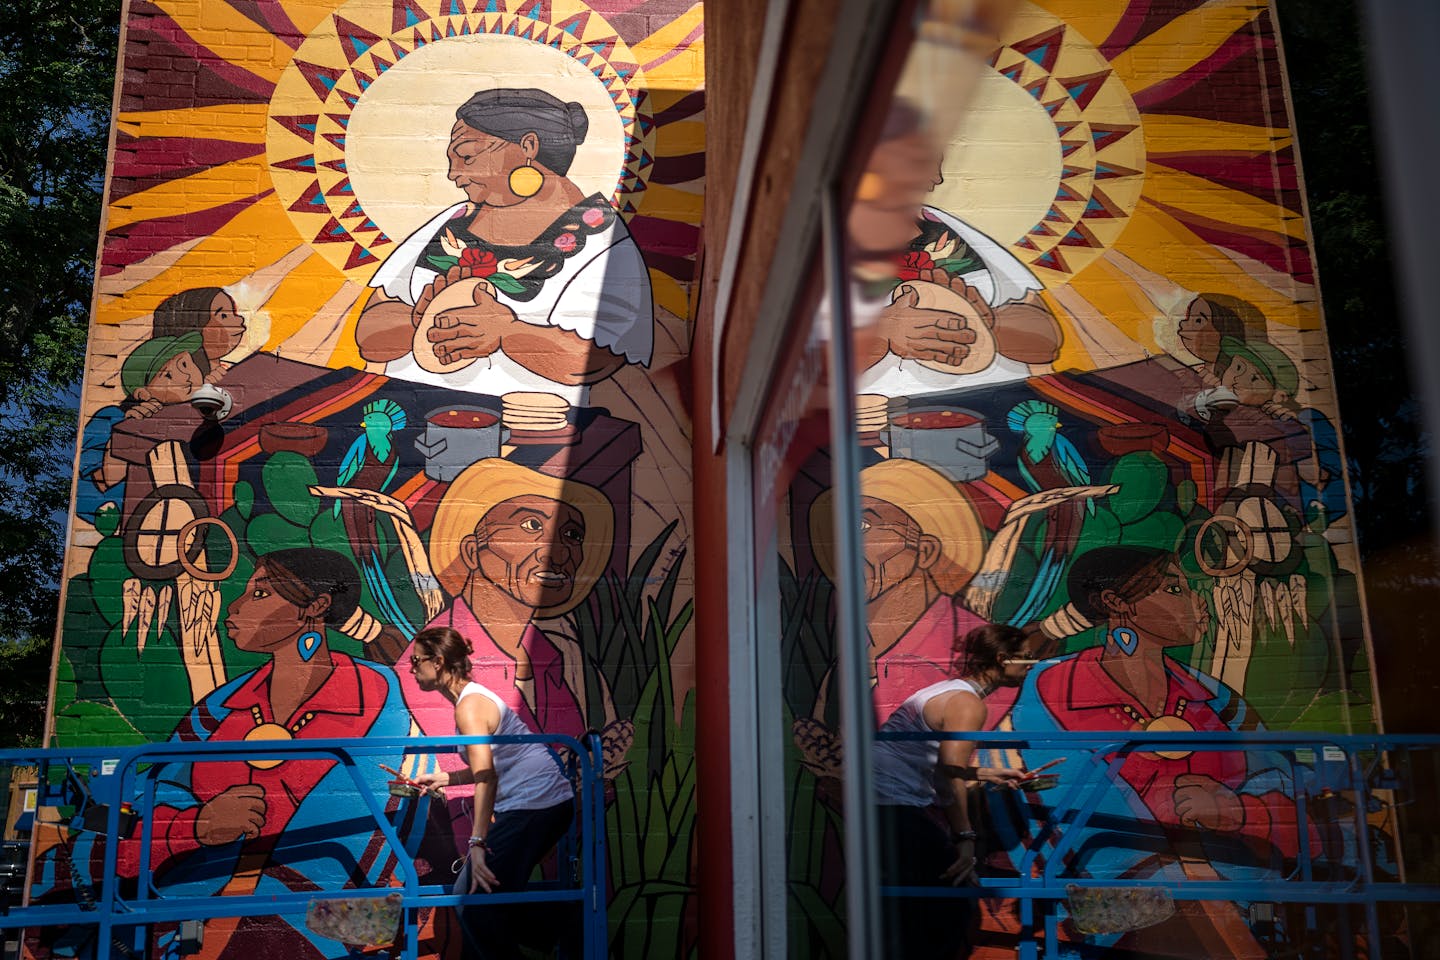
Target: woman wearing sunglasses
x=524, y=803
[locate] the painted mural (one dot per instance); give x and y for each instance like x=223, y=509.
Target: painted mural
x=1094, y=403
x=389, y=332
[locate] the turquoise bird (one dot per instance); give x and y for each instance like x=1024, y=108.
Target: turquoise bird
x=1047, y=460
x=371, y=463
x=373, y=460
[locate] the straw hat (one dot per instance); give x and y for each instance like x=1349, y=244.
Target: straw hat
x=481, y=486
x=929, y=498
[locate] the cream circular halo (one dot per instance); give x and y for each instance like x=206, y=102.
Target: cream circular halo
x=1052, y=137
x=375, y=91
x=395, y=144
x=999, y=173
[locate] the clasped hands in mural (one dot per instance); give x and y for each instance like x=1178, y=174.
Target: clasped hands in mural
x=915, y=332
x=470, y=330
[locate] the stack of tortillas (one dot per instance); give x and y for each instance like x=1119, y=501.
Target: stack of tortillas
x=872, y=413
x=526, y=414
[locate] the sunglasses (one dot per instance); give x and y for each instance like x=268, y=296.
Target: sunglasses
x=416, y=659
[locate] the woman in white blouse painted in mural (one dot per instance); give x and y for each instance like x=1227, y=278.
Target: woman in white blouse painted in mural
x=526, y=285
x=958, y=310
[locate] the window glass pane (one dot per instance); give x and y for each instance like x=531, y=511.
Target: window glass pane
x=791, y=470
x=919, y=279
x=1095, y=408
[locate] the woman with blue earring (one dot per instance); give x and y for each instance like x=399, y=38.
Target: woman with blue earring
x=1171, y=813
x=309, y=641
x=261, y=825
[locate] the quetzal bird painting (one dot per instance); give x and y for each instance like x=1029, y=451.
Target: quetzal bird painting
x=1048, y=461
x=371, y=463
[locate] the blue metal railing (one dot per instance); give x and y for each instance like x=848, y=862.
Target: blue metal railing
x=112, y=776
x=1344, y=764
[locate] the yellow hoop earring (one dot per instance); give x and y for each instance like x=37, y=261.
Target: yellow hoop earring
x=526, y=181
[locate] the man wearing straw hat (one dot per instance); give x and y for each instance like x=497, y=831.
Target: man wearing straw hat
x=923, y=541
x=511, y=545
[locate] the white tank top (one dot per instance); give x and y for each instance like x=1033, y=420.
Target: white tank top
x=905, y=769
x=528, y=774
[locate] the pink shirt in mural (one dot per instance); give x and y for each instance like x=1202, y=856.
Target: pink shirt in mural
x=923, y=655
x=550, y=706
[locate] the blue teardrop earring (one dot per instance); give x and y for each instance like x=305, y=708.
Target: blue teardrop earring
x=1126, y=639
x=309, y=642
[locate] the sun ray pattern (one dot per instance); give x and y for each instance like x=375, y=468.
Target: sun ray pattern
x=1153, y=166
x=231, y=144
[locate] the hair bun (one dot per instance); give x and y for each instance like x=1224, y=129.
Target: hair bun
x=579, y=120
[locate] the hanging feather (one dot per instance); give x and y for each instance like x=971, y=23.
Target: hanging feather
x=130, y=593
x=144, y=618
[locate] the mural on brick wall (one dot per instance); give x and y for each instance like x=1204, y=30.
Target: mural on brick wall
x=1096, y=405
x=390, y=331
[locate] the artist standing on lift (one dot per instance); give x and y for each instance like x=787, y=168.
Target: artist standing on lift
x=520, y=785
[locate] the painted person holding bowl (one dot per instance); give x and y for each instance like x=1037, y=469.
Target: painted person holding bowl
x=528, y=284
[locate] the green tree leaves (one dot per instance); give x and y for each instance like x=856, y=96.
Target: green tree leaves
x=57, y=67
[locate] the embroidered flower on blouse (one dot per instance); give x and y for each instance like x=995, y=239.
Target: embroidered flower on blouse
x=565, y=242
x=482, y=263
x=593, y=217
x=913, y=263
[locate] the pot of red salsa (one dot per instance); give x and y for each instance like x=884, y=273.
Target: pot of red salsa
x=950, y=439
x=457, y=436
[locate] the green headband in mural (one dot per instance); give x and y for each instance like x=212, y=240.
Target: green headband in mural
x=150, y=357
x=1267, y=358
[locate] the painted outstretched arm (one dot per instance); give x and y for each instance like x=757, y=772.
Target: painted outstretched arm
x=173, y=836
x=1271, y=818
x=558, y=355
x=1262, y=811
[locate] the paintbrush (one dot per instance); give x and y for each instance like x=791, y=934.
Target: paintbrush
x=1032, y=774
x=400, y=776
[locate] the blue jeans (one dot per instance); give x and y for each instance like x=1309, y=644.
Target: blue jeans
x=518, y=840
